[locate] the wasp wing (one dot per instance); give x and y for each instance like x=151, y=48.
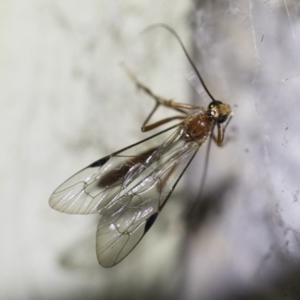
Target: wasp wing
x=126, y=219
x=96, y=185
x=128, y=189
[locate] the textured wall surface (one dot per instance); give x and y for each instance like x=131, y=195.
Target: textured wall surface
x=65, y=102
x=248, y=53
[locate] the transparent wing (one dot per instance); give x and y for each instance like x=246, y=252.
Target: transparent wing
x=130, y=215
x=95, y=186
x=128, y=189
x=126, y=219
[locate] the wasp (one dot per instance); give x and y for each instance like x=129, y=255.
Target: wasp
x=129, y=188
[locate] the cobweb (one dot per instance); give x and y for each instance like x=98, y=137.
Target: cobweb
x=248, y=52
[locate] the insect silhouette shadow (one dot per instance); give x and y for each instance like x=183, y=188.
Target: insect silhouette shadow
x=210, y=202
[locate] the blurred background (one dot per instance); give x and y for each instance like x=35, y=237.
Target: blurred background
x=66, y=102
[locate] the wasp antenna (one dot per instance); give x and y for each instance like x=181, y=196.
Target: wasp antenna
x=174, y=33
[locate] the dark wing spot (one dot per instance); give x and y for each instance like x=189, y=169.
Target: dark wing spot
x=100, y=162
x=150, y=222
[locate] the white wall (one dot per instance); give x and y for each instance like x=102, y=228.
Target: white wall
x=66, y=102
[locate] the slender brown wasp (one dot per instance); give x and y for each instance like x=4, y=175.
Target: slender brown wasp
x=131, y=186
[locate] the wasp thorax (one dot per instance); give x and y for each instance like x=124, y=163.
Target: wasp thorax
x=197, y=127
x=219, y=111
